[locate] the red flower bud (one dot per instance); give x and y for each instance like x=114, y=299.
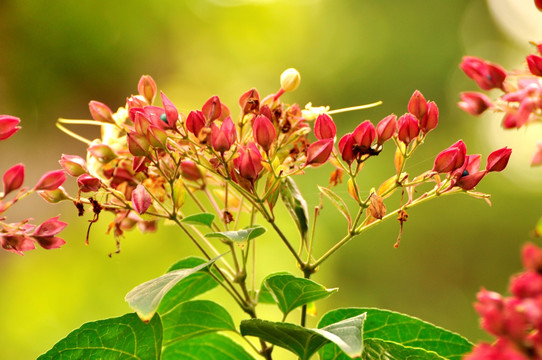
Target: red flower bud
x=171, y=113
x=487, y=75
x=264, y=132
x=51, y=180
x=137, y=144
x=318, y=152
x=364, y=135
x=474, y=103
x=531, y=256
x=17, y=243
x=147, y=88
x=451, y=158
x=8, y=126
x=510, y=121
x=250, y=101
x=102, y=152
x=195, y=122
x=430, y=120
x=101, y=112
x=538, y=4
x=49, y=227
x=74, y=165
x=535, y=64
x=88, y=183
x=141, y=199
x=346, y=148
x=407, y=128
x=386, y=128
x=468, y=175
x=190, y=171
x=324, y=127
x=212, y=108
x=417, y=105
x=13, y=178
x=249, y=162
x=223, y=138
x=498, y=159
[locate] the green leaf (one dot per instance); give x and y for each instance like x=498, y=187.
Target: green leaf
x=305, y=342
x=205, y=219
x=125, y=337
x=206, y=347
x=403, y=330
x=194, y=318
x=145, y=298
x=376, y=349
x=264, y=295
x=191, y=286
x=291, y=292
x=338, y=202
x=239, y=236
x=296, y=205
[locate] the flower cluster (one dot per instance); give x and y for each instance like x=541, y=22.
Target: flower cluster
x=521, y=101
x=22, y=236
x=516, y=320
x=150, y=158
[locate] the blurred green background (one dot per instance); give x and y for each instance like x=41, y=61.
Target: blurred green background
x=58, y=55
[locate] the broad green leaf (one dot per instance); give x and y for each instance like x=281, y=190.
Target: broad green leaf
x=291, y=292
x=125, y=337
x=194, y=318
x=207, y=347
x=338, y=202
x=305, y=342
x=239, y=236
x=376, y=349
x=404, y=330
x=189, y=287
x=205, y=219
x=265, y=296
x=145, y=298
x=296, y=205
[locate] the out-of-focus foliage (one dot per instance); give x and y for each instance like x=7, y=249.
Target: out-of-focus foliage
x=57, y=56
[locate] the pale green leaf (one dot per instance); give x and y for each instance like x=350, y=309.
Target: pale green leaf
x=239, y=236
x=205, y=219
x=296, y=205
x=207, y=347
x=338, y=202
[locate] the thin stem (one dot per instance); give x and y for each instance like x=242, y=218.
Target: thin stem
x=353, y=108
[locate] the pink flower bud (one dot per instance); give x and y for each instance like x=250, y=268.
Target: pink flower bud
x=8, y=126
x=417, y=105
x=135, y=101
x=474, y=103
x=535, y=64
x=17, y=243
x=49, y=227
x=510, y=121
x=147, y=88
x=324, y=127
x=74, y=165
x=536, y=160
x=430, y=120
x=171, y=113
x=264, y=132
x=364, y=135
x=223, y=138
x=250, y=101
x=137, y=144
x=190, y=171
x=50, y=242
x=195, y=122
x=102, y=152
x=141, y=199
x=141, y=122
x=490, y=307
x=101, y=112
x=212, y=108
x=451, y=158
x=249, y=162
x=526, y=285
x=386, y=128
x=51, y=180
x=498, y=159
x=346, y=148
x=487, y=75
x=531, y=256
x=88, y=183
x=318, y=152
x=407, y=128
x=13, y=178
x=468, y=176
